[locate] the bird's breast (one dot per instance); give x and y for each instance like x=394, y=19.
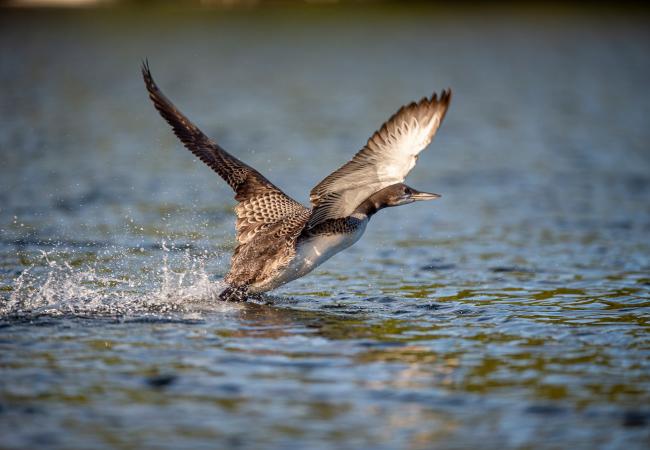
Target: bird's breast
x=318, y=249
x=313, y=251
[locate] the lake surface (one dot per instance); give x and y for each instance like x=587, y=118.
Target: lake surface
x=511, y=313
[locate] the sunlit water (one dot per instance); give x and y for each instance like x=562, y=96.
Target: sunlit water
x=512, y=313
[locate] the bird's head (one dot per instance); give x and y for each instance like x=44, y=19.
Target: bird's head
x=401, y=194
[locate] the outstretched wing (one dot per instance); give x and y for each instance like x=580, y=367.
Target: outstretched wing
x=261, y=204
x=387, y=158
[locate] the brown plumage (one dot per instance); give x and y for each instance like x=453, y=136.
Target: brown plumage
x=278, y=238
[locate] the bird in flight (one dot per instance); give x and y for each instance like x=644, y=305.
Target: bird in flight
x=279, y=239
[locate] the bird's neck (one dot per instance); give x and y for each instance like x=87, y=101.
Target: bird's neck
x=368, y=207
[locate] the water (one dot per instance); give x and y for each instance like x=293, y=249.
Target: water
x=512, y=313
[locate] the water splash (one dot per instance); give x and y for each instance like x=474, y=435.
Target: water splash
x=51, y=286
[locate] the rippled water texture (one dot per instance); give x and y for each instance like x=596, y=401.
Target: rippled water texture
x=511, y=313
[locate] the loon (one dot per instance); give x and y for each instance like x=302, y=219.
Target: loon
x=279, y=239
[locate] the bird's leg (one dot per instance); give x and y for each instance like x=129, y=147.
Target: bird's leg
x=234, y=294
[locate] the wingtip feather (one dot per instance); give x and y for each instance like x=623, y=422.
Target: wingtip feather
x=144, y=67
x=148, y=77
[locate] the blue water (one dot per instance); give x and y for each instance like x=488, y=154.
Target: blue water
x=511, y=313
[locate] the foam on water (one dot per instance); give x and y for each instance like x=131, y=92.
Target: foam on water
x=52, y=286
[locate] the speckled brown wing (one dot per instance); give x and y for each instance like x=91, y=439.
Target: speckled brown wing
x=261, y=204
x=261, y=212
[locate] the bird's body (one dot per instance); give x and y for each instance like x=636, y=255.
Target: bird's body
x=280, y=240
x=313, y=248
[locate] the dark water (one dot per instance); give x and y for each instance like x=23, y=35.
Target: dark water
x=512, y=313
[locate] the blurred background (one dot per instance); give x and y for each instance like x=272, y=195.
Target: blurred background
x=511, y=313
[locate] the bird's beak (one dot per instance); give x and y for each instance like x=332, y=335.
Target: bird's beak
x=418, y=196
